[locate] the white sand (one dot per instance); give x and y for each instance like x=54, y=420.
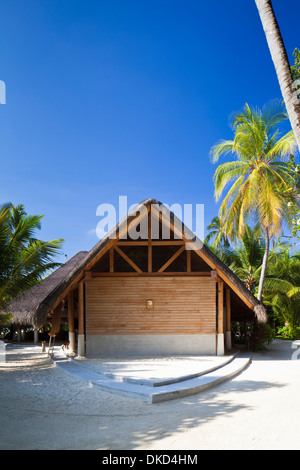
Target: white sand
x=43, y=408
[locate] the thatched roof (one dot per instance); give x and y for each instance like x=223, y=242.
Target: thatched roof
x=34, y=305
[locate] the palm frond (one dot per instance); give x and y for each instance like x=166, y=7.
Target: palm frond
x=224, y=147
x=24, y=259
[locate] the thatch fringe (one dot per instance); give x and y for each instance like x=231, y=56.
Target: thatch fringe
x=33, y=306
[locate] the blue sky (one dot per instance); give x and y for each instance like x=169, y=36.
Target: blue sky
x=124, y=97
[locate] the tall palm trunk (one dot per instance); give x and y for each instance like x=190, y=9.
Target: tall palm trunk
x=264, y=265
x=281, y=63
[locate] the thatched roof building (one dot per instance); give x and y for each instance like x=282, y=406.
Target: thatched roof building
x=91, y=287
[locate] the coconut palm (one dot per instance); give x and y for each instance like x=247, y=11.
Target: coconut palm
x=246, y=259
x=281, y=63
x=261, y=181
x=217, y=234
x=24, y=259
x=282, y=289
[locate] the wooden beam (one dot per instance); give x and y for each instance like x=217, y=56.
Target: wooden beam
x=72, y=286
x=188, y=261
x=215, y=276
x=170, y=261
x=132, y=243
x=71, y=312
x=71, y=321
x=81, y=308
x=149, y=244
x=141, y=274
x=220, y=307
x=154, y=243
x=228, y=309
x=167, y=242
x=111, y=260
x=129, y=261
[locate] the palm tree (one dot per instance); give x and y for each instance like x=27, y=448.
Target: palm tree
x=24, y=259
x=282, y=289
x=281, y=63
x=261, y=180
x=217, y=234
x=246, y=260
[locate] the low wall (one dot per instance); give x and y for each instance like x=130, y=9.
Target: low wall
x=145, y=345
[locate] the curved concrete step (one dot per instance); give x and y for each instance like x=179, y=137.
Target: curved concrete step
x=151, y=394
x=199, y=384
x=156, y=382
x=169, y=381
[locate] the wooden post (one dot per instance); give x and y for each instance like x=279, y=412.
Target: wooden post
x=221, y=348
x=111, y=260
x=71, y=321
x=149, y=244
x=220, y=307
x=228, y=318
x=188, y=261
x=81, y=341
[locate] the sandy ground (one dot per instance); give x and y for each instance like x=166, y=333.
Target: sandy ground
x=43, y=408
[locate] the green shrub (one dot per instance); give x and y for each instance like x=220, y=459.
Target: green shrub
x=288, y=332
x=262, y=335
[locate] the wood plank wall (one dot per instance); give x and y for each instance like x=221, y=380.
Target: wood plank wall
x=181, y=305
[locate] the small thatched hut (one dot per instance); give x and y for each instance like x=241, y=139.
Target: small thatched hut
x=162, y=294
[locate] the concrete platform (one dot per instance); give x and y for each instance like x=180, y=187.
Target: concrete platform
x=153, y=380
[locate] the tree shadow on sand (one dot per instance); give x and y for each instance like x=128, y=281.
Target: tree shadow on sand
x=166, y=419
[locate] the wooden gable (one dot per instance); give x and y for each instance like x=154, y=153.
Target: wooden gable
x=164, y=254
